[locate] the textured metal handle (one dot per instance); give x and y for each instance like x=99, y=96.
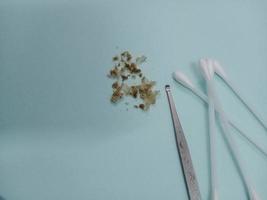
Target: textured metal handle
x=184, y=154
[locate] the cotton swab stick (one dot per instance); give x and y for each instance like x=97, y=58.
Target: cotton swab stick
x=205, y=67
x=211, y=109
x=225, y=126
x=218, y=69
x=187, y=83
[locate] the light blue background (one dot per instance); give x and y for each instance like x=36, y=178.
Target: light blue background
x=61, y=139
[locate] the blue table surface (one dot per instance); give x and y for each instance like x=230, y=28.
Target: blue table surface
x=60, y=137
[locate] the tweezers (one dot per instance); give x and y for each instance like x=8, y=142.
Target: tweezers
x=183, y=151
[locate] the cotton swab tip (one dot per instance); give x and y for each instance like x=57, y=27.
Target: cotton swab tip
x=183, y=79
x=206, y=66
x=218, y=69
x=254, y=195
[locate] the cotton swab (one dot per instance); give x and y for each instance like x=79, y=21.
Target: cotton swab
x=218, y=69
x=209, y=78
x=187, y=83
x=205, y=66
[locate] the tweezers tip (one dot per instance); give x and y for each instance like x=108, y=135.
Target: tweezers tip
x=167, y=87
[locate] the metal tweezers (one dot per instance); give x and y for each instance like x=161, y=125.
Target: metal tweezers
x=184, y=154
